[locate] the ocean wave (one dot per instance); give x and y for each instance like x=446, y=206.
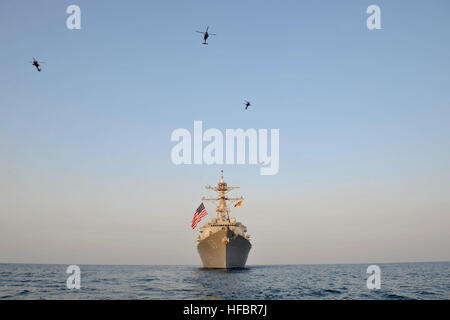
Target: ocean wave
x=428, y=281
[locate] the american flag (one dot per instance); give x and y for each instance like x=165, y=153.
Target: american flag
x=198, y=215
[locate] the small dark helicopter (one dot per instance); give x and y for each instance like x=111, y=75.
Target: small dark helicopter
x=36, y=64
x=247, y=104
x=206, y=35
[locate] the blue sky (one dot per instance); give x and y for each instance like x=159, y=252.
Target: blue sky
x=354, y=107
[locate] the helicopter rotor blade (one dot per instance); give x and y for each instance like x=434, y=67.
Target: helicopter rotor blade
x=207, y=28
x=200, y=32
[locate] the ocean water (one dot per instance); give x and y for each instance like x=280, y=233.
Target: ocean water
x=347, y=281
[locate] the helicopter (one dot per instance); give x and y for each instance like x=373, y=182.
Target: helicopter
x=247, y=104
x=36, y=64
x=206, y=35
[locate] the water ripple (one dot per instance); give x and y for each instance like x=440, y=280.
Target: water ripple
x=399, y=281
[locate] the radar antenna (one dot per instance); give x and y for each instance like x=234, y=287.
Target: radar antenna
x=223, y=211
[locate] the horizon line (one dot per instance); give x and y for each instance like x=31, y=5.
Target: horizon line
x=248, y=266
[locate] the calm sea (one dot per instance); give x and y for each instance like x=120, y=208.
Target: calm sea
x=347, y=281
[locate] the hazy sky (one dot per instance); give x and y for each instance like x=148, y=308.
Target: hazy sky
x=364, y=119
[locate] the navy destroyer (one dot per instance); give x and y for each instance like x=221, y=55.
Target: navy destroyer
x=223, y=242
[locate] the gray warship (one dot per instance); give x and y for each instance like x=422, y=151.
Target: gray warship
x=223, y=243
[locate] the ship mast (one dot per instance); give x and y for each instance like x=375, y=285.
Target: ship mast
x=223, y=212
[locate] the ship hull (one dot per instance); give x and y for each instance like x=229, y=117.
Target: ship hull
x=217, y=252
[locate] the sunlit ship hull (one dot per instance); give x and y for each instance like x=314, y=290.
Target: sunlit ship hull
x=224, y=250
